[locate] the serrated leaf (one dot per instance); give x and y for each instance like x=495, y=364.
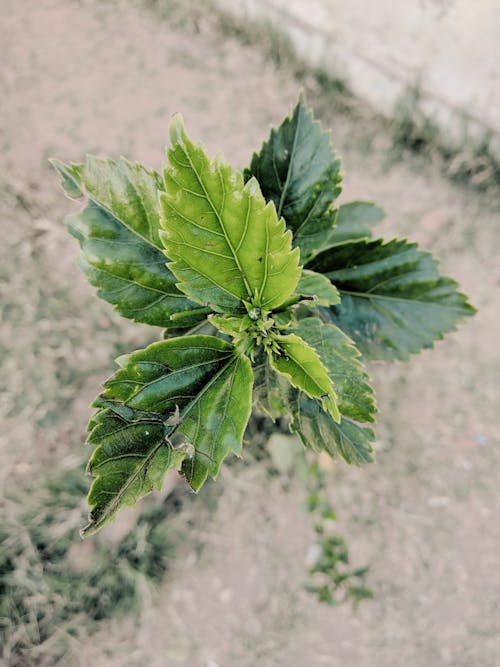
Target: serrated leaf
x=226, y=244
x=216, y=423
x=341, y=359
x=121, y=252
x=131, y=458
x=354, y=222
x=320, y=432
x=301, y=365
x=298, y=170
x=393, y=300
x=318, y=287
x=69, y=177
x=196, y=388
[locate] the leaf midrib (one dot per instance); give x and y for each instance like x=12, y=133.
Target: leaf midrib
x=134, y=282
x=218, y=215
x=366, y=295
x=113, y=214
x=289, y=170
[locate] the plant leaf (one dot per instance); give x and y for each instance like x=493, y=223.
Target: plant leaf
x=301, y=365
x=319, y=287
x=393, y=300
x=131, y=458
x=354, y=222
x=226, y=245
x=320, y=432
x=341, y=359
x=196, y=388
x=118, y=234
x=70, y=176
x=298, y=170
x=216, y=423
x=270, y=389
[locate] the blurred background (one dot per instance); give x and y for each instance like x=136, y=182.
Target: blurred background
x=411, y=95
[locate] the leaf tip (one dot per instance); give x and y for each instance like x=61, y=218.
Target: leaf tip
x=329, y=404
x=176, y=129
x=90, y=529
x=252, y=186
x=68, y=177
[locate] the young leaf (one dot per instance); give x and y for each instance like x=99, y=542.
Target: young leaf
x=341, y=359
x=318, y=287
x=118, y=233
x=297, y=170
x=226, y=245
x=303, y=368
x=393, y=300
x=196, y=387
x=320, y=432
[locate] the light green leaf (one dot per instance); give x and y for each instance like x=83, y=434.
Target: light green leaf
x=298, y=170
x=319, y=287
x=227, y=324
x=341, y=359
x=118, y=233
x=195, y=388
x=226, y=245
x=320, y=432
x=394, y=302
x=303, y=368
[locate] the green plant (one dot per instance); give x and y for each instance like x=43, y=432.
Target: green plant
x=54, y=592
x=267, y=293
x=332, y=580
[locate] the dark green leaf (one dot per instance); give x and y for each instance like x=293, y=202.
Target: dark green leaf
x=121, y=252
x=298, y=170
x=131, y=458
x=354, y=221
x=270, y=389
x=195, y=388
x=215, y=423
x=320, y=432
x=226, y=244
x=393, y=300
x=341, y=359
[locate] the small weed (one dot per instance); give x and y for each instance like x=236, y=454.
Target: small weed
x=332, y=580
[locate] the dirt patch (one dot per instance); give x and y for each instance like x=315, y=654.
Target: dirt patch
x=105, y=78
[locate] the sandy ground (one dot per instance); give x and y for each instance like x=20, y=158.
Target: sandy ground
x=85, y=76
